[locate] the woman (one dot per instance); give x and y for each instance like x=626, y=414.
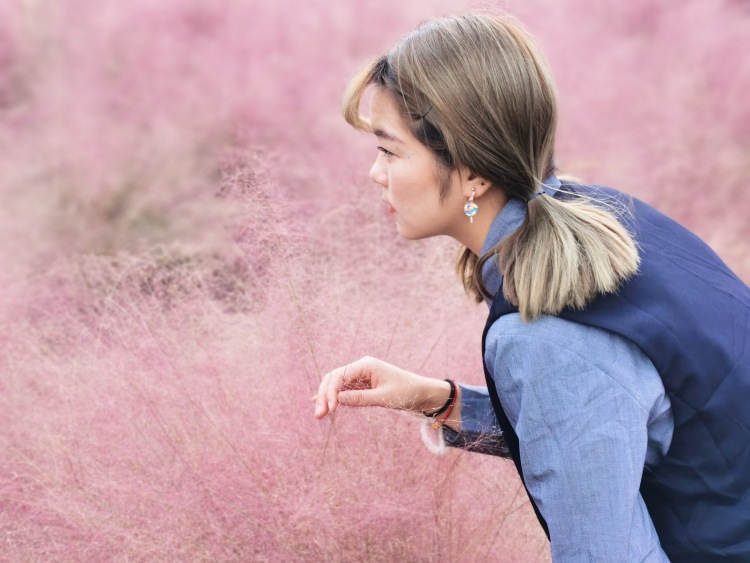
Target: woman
x=616, y=351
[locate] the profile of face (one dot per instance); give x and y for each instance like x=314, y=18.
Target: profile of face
x=409, y=177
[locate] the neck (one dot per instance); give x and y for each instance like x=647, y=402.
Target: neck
x=473, y=234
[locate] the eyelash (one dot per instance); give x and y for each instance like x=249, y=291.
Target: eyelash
x=385, y=152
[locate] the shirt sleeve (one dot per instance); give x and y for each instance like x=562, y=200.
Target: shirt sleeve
x=581, y=402
x=479, y=429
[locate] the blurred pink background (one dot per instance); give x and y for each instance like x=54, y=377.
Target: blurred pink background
x=191, y=240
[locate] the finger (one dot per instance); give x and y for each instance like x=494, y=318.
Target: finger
x=321, y=405
x=356, y=375
x=338, y=377
x=363, y=398
x=334, y=386
x=330, y=385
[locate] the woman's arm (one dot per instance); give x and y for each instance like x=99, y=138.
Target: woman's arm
x=373, y=382
x=471, y=424
x=589, y=410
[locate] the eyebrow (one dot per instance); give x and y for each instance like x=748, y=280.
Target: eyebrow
x=387, y=136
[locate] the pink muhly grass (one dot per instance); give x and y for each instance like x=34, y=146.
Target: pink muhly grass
x=191, y=242
x=652, y=102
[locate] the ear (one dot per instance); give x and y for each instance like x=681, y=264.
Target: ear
x=472, y=182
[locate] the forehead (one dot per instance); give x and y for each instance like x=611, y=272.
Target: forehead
x=385, y=118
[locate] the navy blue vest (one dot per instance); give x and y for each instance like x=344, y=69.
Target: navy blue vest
x=690, y=315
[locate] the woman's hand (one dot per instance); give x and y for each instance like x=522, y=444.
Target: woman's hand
x=371, y=382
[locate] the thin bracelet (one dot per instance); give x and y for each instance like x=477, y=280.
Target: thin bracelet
x=438, y=423
x=441, y=410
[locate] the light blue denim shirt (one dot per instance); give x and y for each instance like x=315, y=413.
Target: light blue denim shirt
x=590, y=412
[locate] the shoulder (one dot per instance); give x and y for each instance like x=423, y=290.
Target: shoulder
x=553, y=352
x=557, y=332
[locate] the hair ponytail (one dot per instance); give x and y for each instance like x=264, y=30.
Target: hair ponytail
x=565, y=254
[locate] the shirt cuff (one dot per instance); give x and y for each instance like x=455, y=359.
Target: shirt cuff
x=479, y=430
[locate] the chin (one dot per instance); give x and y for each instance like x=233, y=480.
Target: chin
x=409, y=234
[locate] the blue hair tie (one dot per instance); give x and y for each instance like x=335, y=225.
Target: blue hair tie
x=550, y=186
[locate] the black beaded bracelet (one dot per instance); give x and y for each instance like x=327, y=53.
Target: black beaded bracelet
x=447, y=403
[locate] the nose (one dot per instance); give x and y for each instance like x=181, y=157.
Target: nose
x=379, y=173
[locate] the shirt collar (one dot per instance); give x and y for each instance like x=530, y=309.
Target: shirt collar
x=508, y=220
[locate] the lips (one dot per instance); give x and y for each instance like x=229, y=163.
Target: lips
x=390, y=209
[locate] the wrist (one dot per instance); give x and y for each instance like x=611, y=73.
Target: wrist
x=435, y=393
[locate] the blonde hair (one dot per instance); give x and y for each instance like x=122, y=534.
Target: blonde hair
x=477, y=92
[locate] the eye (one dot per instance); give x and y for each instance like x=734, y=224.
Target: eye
x=385, y=152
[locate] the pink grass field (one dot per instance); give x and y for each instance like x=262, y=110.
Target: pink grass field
x=190, y=240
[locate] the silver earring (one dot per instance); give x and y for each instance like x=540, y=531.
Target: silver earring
x=471, y=208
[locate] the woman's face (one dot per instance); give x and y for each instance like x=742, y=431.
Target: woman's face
x=408, y=175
